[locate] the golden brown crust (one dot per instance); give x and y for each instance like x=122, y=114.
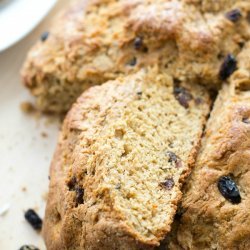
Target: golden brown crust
x=208, y=220
x=189, y=39
x=112, y=164
x=77, y=232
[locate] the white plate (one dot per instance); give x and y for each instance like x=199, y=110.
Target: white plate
x=19, y=17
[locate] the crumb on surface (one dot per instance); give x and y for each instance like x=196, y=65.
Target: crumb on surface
x=44, y=134
x=27, y=107
x=45, y=196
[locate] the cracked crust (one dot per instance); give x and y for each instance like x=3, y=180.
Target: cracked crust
x=208, y=220
x=93, y=42
x=114, y=152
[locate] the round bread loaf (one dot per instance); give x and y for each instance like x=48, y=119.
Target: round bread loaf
x=94, y=41
x=124, y=151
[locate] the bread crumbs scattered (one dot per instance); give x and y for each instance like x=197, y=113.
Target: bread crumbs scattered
x=27, y=107
x=45, y=196
x=44, y=134
x=30, y=109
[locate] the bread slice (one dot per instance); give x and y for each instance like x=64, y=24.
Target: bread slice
x=122, y=156
x=216, y=201
x=94, y=41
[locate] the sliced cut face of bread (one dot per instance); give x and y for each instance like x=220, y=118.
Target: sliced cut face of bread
x=95, y=41
x=122, y=156
x=216, y=201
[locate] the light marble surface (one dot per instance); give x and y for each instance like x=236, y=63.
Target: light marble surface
x=24, y=154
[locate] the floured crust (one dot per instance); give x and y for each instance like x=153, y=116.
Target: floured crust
x=208, y=220
x=97, y=141
x=94, y=42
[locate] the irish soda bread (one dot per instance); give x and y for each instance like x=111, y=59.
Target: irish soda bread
x=216, y=201
x=192, y=40
x=123, y=153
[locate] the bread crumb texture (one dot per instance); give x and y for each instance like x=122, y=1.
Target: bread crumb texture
x=95, y=41
x=123, y=154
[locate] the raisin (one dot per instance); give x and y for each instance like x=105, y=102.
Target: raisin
x=139, y=93
x=32, y=217
x=228, y=66
x=79, y=195
x=133, y=61
x=234, y=15
x=198, y=100
x=177, y=82
x=72, y=183
x=246, y=120
x=229, y=189
x=44, y=36
x=28, y=247
x=183, y=96
x=168, y=183
x=138, y=43
x=73, y=186
x=174, y=158
x=241, y=44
